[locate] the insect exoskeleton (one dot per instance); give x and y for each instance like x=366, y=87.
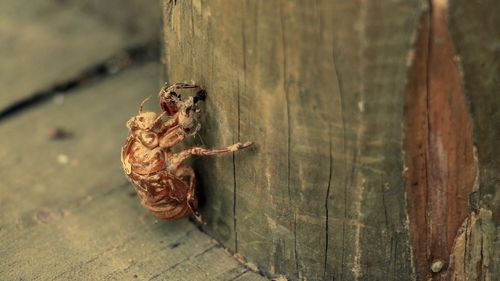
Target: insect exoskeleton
x=166, y=186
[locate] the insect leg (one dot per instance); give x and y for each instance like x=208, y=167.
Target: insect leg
x=178, y=158
x=172, y=137
x=180, y=85
x=172, y=122
x=183, y=171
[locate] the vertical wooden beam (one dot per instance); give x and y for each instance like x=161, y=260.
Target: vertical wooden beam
x=450, y=218
x=318, y=85
x=474, y=28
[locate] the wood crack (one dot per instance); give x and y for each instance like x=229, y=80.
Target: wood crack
x=344, y=149
x=287, y=100
x=238, y=275
x=325, y=263
x=182, y=261
x=386, y=220
x=235, y=218
x=438, y=146
x=288, y=126
x=427, y=123
x=238, y=108
x=129, y=57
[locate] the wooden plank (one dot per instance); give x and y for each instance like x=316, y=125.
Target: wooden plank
x=250, y=276
x=76, y=217
x=206, y=266
x=474, y=28
x=108, y=237
x=138, y=20
x=35, y=35
x=318, y=86
x=97, y=135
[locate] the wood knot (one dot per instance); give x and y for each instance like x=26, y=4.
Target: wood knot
x=437, y=266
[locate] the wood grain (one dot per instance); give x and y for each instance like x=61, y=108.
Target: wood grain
x=35, y=36
x=441, y=169
x=80, y=219
x=474, y=28
x=67, y=212
x=319, y=87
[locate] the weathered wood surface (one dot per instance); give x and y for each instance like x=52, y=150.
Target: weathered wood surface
x=475, y=30
x=451, y=143
x=136, y=20
x=440, y=164
x=67, y=211
x=35, y=35
x=319, y=86
x=80, y=219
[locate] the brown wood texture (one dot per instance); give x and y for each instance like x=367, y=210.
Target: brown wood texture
x=80, y=219
x=319, y=86
x=475, y=30
x=441, y=168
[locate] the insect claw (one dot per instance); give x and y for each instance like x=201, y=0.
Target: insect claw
x=201, y=95
x=246, y=144
x=198, y=217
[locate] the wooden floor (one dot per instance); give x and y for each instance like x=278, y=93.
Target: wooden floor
x=66, y=210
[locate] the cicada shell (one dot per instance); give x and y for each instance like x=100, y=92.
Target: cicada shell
x=164, y=184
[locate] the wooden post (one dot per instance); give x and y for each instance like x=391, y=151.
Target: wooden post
x=321, y=87
x=475, y=33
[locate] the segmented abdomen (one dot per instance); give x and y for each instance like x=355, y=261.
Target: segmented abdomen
x=160, y=192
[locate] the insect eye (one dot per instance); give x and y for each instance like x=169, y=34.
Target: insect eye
x=141, y=119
